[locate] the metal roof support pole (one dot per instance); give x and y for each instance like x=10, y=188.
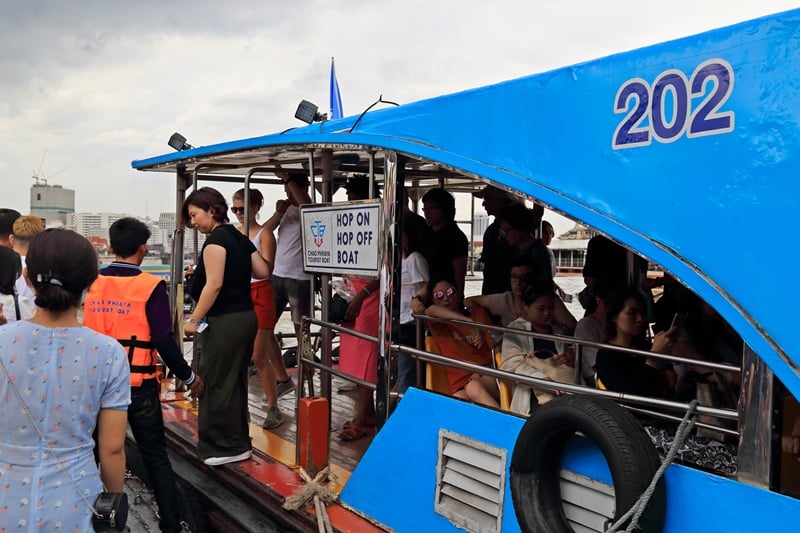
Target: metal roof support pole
x=327, y=337
x=755, y=421
x=391, y=278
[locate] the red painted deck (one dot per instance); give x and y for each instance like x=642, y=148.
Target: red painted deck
x=270, y=475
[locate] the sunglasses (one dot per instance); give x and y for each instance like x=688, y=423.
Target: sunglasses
x=438, y=295
x=237, y=210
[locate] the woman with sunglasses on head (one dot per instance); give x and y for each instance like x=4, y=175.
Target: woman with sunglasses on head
x=59, y=382
x=469, y=344
x=266, y=352
x=220, y=286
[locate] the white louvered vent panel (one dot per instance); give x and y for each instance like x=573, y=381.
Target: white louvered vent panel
x=470, y=482
x=588, y=504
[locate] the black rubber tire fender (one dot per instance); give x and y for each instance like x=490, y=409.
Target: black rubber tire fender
x=536, y=461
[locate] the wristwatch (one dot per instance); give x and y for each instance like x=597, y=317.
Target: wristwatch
x=192, y=321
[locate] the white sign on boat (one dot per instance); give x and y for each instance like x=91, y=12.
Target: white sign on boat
x=342, y=238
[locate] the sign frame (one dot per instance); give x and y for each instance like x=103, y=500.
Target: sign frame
x=359, y=222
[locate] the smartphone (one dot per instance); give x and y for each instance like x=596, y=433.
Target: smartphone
x=678, y=320
x=202, y=326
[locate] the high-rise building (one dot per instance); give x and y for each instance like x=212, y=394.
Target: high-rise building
x=53, y=203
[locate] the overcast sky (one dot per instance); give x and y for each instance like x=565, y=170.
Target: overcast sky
x=101, y=83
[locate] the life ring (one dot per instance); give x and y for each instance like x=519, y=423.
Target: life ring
x=536, y=461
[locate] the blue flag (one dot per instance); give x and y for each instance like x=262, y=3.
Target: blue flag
x=336, y=98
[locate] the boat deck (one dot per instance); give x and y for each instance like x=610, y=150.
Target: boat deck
x=248, y=496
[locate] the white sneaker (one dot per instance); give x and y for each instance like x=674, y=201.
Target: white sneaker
x=216, y=461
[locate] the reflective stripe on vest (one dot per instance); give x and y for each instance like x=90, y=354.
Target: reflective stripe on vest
x=115, y=306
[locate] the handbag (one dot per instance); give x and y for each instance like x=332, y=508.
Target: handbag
x=110, y=509
x=338, y=309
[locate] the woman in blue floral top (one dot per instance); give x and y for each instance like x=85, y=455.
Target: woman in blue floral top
x=72, y=380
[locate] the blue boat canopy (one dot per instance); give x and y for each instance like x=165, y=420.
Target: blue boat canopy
x=687, y=152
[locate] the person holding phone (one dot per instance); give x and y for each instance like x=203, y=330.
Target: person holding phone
x=626, y=326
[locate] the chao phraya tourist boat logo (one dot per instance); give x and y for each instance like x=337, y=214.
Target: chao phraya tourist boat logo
x=318, y=231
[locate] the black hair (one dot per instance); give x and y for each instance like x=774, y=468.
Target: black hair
x=7, y=218
x=207, y=199
x=256, y=198
x=444, y=200
x=614, y=306
x=10, y=269
x=537, y=289
x=61, y=265
x=300, y=178
x=359, y=185
x=413, y=236
x=126, y=235
x=599, y=290
x=518, y=217
x=438, y=278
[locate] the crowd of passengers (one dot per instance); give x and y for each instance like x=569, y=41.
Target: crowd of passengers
x=519, y=292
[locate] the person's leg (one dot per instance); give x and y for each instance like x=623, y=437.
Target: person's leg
x=478, y=391
x=147, y=427
x=227, y=346
x=263, y=363
x=406, y=365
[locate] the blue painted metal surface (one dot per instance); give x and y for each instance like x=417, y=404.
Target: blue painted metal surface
x=395, y=481
x=709, y=206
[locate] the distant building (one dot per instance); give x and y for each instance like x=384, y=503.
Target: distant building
x=53, y=203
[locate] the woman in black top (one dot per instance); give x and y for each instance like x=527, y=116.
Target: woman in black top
x=626, y=326
x=220, y=287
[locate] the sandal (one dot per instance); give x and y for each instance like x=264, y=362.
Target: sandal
x=350, y=431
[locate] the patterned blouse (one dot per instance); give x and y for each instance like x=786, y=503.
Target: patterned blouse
x=65, y=376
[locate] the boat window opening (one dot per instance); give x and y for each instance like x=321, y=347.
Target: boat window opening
x=786, y=469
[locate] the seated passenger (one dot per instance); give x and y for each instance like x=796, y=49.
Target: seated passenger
x=473, y=345
x=531, y=356
x=592, y=327
x=508, y=305
x=626, y=326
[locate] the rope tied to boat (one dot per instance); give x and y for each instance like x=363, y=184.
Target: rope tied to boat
x=636, y=510
x=315, y=491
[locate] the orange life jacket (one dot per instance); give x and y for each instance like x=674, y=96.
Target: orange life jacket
x=115, y=306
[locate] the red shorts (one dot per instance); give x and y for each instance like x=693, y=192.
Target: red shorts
x=263, y=296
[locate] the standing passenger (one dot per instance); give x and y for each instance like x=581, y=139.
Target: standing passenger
x=448, y=247
x=79, y=381
x=292, y=285
x=413, y=287
x=220, y=286
x=25, y=229
x=12, y=305
x=359, y=357
x=266, y=352
x=145, y=330
x=7, y=218
x=496, y=253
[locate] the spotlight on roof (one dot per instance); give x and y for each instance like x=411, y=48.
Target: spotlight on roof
x=307, y=112
x=178, y=142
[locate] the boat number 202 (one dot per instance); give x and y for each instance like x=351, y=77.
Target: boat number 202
x=674, y=105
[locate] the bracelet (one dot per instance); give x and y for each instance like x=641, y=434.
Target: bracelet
x=192, y=321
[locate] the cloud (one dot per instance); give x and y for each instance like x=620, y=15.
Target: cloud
x=100, y=84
